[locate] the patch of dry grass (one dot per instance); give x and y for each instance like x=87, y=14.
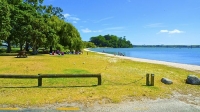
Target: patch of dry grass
x=121, y=79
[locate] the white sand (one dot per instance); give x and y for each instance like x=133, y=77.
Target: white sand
x=177, y=65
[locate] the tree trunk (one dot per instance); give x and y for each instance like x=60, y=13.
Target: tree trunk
x=51, y=49
x=8, y=47
x=34, y=50
x=27, y=46
x=21, y=45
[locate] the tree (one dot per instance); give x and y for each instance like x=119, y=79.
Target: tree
x=89, y=44
x=37, y=4
x=22, y=15
x=4, y=20
x=37, y=35
x=53, y=27
x=70, y=37
x=29, y=23
x=111, y=41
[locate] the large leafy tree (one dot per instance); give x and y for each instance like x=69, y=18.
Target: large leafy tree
x=37, y=34
x=70, y=37
x=22, y=15
x=29, y=23
x=53, y=25
x=4, y=20
x=15, y=17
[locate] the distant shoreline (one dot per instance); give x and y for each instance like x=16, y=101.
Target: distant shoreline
x=189, y=67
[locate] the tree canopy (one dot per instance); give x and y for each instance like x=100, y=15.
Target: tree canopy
x=111, y=41
x=28, y=23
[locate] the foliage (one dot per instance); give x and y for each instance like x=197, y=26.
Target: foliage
x=28, y=23
x=4, y=20
x=60, y=47
x=89, y=44
x=111, y=41
x=70, y=37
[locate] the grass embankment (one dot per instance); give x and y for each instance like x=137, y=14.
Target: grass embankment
x=120, y=80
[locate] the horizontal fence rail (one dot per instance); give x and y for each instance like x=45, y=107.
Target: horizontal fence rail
x=40, y=76
x=20, y=76
x=68, y=75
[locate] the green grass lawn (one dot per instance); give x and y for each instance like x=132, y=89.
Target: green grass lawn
x=121, y=79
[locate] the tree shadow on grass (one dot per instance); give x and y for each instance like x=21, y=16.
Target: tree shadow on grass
x=49, y=86
x=8, y=54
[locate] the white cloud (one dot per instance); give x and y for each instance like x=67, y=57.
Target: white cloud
x=171, y=32
x=66, y=15
x=72, y=18
x=103, y=19
x=97, y=31
x=175, y=31
x=164, y=31
x=86, y=30
x=74, y=22
x=154, y=25
x=113, y=29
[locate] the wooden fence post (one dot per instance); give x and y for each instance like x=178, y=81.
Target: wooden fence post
x=152, y=79
x=147, y=79
x=99, y=79
x=39, y=80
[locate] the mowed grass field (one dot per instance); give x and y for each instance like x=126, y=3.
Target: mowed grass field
x=121, y=79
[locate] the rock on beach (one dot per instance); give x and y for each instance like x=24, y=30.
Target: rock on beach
x=166, y=81
x=192, y=79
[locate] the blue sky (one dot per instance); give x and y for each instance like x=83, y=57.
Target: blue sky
x=142, y=22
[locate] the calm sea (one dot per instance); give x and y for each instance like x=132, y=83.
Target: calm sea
x=177, y=55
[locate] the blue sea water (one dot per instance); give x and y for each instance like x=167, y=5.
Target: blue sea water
x=177, y=55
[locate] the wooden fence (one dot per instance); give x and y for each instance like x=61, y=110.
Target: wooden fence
x=41, y=76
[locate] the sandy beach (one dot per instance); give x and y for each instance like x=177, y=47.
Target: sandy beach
x=177, y=65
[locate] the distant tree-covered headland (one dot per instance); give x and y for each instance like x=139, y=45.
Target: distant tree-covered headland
x=31, y=24
x=111, y=41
